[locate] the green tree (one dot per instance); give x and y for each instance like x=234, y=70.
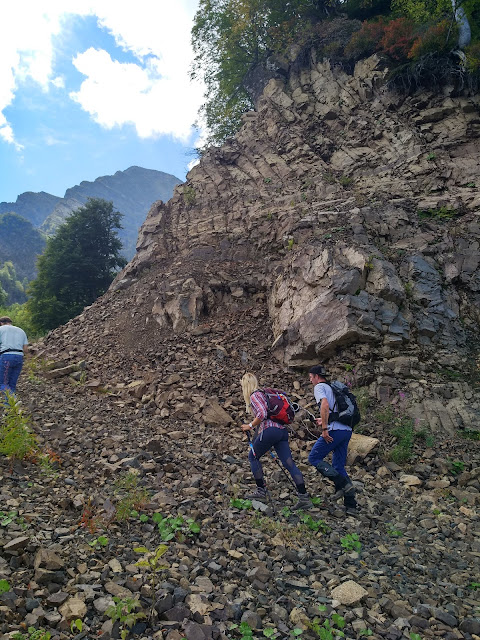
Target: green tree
x=9, y=282
x=229, y=38
x=426, y=11
x=78, y=264
x=3, y=296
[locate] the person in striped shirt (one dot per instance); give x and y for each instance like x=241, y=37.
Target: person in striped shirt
x=268, y=434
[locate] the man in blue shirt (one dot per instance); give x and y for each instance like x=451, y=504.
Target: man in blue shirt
x=335, y=437
x=13, y=344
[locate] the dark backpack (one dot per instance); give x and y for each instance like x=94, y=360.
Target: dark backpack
x=346, y=407
x=279, y=407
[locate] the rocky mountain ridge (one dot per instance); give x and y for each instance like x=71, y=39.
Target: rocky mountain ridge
x=132, y=192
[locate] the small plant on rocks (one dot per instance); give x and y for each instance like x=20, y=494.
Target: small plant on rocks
x=4, y=586
x=240, y=503
x=456, y=466
x=99, y=542
x=440, y=214
x=151, y=562
x=17, y=439
x=34, y=367
x=6, y=517
x=312, y=524
x=124, y=611
x=345, y=181
x=76, y=625
x=48, y=461
x=132, y=497
x=189, y=195
x=245, y=630
x=394, y=533
x=88, y=519
x=33, y=634
x=329, y=629
x=351, y=542
x=175, y=526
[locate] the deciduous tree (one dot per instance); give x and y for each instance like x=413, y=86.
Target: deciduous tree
x=78, y=264
x=229, y=37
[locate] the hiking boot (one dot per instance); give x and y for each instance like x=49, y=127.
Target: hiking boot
x=351, y=511
x=259, y=494
x=347, y=490
x=304, y=502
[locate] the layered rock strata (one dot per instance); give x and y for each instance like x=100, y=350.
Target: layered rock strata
x=352, y=213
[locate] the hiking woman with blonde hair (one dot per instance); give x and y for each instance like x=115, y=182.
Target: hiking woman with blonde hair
x=268, y=434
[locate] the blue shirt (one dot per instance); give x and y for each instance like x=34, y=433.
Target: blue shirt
x=323, y=390
x=12, y=338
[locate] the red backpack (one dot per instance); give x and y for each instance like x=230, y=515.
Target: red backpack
x=279, y=407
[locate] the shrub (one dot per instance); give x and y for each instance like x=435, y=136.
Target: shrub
x=367, y=40
x=473, y=57
x=17, y=439
x=132, y=496
x=438, y=38
x=398, y=38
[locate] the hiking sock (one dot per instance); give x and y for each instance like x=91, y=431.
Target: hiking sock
x=260, y=483
x=301, y=489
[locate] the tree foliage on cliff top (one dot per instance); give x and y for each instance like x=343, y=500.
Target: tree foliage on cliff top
x=230, y=37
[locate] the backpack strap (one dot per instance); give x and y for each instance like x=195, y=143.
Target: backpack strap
x=334, y=396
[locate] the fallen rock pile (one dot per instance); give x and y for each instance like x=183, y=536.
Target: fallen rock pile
x=66, y=554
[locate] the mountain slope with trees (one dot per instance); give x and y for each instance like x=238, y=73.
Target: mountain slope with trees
x=20, y=245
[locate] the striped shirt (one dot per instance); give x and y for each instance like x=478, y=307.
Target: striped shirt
x=258, y=402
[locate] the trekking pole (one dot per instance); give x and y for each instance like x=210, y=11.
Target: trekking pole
x=250, y=443
x=282, y=468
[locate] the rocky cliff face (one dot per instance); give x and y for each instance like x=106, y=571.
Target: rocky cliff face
x=351, y=214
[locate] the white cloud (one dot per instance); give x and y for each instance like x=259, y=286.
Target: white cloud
x=59, y=82
x=154, y=94
x=6, y=134
x=116, y=94
x=26, y=32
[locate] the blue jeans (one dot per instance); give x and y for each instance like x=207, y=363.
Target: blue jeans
x=278, y=439
x=336, y=471
x=10, y=366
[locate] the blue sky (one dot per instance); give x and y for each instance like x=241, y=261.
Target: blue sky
x=91, y=87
